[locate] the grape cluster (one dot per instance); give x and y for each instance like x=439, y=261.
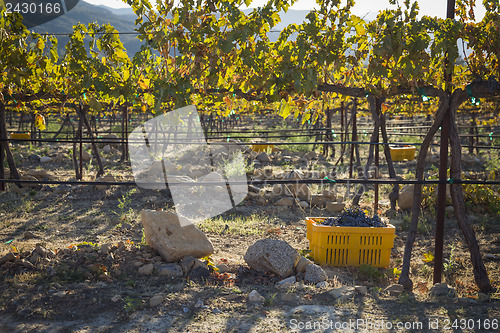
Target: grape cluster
x=355, y=217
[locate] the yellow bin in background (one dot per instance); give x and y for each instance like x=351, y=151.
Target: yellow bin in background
x=349, y=246
x=401, y=153
x=262, y=147
x=21, y=136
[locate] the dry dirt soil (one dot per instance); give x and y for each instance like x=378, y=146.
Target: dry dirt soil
x=78, y=289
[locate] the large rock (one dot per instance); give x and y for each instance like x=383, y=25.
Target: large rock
x=164, y=233
x=405, y=200
x=272, y=255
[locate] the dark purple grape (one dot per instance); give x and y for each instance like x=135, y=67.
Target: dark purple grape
x=354, y=217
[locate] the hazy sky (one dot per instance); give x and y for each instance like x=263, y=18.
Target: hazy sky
x=362, y=7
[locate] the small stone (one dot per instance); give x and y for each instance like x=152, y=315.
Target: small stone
x=482, y=297
x=86, y=156
x=137, y=263
x=170, y=270
x=362, y=290
x=201, y=272
x=442, y=290
x=405, y=199
x=491, y=256
x=223, y=268
x=199, y=304
x=30, y=178
x=104, y=249
x=34, y=158
x=107, y=178
x=394, y=289
x=342, y=293
x=126, y=226
x=60, y=294
x=107, y=149
x=45, y=159
x=303, y=204
x=28, y=235
x=263, y=158
x=8, y=257
x=187, y=264
x=302, y=264
x=146, y=269
x=322, y=284
x=185, y=310
x=115, y=298
x=255, y=298
x=317, y=200
x=288, y=282
x=335, y=207
x=121, y=245
x=286, y=202
x=314, y=274
x=216, y=311
x=330, y=195
x=44, y=253
x=155, y=301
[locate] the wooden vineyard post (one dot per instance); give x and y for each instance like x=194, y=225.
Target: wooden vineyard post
x=441, y=198
x=342, y=136
x=80, y=137
x=378, y=105
x=354, y=138
x=2, y=169
x=443, y=168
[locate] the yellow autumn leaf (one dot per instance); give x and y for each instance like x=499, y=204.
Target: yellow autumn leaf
x=121, y=54
x=144, y=83
x=428, y=257
x=40, y=122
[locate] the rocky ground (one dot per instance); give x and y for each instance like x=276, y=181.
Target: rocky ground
x=75, y=259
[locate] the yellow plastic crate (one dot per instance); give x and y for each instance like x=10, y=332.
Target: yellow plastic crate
x=20, y=136
x=349, y=246
x=262, y=147
x=401, y=153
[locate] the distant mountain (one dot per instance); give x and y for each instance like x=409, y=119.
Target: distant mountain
x=86, y=13
x=123, y=20
x=121, y=11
